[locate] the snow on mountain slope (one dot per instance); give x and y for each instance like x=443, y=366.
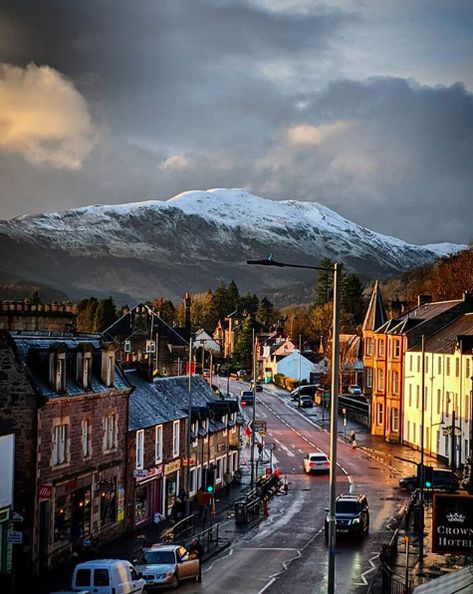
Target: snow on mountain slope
x=198, y=237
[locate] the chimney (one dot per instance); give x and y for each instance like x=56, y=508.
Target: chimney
x=187, y=325
x=423, y=299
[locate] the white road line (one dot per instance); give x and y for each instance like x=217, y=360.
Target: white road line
x=373, y=567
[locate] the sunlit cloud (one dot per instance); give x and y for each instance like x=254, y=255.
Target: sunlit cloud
x=43, y=117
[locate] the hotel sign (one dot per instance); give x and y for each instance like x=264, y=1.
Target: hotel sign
x=452, y=523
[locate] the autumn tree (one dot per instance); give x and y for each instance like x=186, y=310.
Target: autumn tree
x=165, y=309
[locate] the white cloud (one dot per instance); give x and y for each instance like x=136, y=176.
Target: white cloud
x=175, y=163
x=43, y=117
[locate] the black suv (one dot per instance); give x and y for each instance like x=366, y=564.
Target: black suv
x=443, y=479
x=352, y=516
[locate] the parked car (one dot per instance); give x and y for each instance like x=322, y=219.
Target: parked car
x=247, y=397
x=316, y=462
x=352, y=515
x=306, y=390
x=107, y=576
x=305, y=401
x=354, y=390
x=442, y=479
x=258, y=388
x=242, y=374
x=167, y=565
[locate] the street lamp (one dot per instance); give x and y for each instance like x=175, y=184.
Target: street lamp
x=336, y=270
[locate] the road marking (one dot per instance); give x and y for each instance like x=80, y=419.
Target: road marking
x=373, y=567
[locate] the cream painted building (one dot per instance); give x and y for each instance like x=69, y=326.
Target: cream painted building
x=448, y=368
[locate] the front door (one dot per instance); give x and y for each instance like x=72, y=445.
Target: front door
x=43, y=541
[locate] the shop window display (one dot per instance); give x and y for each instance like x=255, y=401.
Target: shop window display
x=108, y=501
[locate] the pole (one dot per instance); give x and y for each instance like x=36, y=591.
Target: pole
x=453, y=437
x=189, y=426
x=422, y=467
x=254, y=415
x=334, y=429
x=406, y=541
x=228, y=376
x=300, y=360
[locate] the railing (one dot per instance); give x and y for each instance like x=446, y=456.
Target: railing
x=181, y=530
x=209, y=538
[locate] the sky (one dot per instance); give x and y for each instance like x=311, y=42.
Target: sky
x=365, y=106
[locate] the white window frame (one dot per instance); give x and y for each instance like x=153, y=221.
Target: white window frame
x=176, y=425
x=59, y=454
x=110, y=370
x=395, y=420
x=225, y=422
x=158, y=444
x=206, y=426
x=369, y=377
x=395, y=382
x=140, y=449
x=379, y=413
x=219, y=470
x=194, y=430
x=85, y=435
x=110, y=432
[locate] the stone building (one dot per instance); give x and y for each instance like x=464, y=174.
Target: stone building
x=26, y=316
x=67, y=401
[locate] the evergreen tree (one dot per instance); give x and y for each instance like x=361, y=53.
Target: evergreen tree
x=105, y=314
x=225, y=300
x=86, y=320
x=352, y=304
x=265, y=312
x=248, y=303
x=324, y=285
x=165, y=309
x=243, y=352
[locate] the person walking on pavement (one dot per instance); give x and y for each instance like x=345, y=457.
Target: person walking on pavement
x=197, y=550
x=227, y=477
x=353, y=439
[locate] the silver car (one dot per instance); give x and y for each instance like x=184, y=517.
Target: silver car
x=167, y=566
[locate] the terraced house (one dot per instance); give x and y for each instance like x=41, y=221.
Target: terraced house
x=67, y=402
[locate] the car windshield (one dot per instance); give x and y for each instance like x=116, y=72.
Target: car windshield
x=347, y=507
x=159, y=557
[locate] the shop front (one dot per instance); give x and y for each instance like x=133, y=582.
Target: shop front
x=172, y=487
x=148, y=494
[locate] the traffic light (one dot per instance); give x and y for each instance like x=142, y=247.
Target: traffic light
x=209, y=480
x=428, y=477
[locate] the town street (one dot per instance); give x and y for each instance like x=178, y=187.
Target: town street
x=287, y=553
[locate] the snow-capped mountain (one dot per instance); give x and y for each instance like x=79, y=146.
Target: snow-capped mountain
x=192, y=242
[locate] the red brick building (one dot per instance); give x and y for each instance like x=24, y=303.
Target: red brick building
x=68, y=403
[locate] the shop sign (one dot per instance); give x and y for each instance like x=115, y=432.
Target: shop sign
x=259, y=426
x=70, y=486
x=45, y=491
x=452, y=524
x=173, y=466
x=15, y=537
x=148, y=473
x=188, y=462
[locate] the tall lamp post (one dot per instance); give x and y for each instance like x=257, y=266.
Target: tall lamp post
x=336, y=271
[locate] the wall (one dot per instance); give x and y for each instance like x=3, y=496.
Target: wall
x=7, y=447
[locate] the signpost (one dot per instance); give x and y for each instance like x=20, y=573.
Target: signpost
x=260, y=426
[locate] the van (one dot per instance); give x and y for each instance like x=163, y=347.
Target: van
x=247, y=397
x=107, y=576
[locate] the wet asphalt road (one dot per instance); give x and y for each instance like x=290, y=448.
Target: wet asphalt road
x=286, y=554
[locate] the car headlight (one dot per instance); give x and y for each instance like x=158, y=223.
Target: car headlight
x=170, y=573
x=355, y=521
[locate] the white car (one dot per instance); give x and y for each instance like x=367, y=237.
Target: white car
x=316, y=462
x=167, y=565
x=354, y=390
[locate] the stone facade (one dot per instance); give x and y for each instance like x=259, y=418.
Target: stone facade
x=25, y=316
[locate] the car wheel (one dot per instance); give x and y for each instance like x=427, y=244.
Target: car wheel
x=174, y=582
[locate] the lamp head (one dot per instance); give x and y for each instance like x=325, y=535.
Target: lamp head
x=266, y=262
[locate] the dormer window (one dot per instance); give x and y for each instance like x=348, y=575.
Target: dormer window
x=57, y=370
x=84, y=369
x=108, y=366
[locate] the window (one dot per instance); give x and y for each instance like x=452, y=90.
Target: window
x=418, y=363
x=57, y=371
x=205, y=426
x=101, y=577
x=379, y=413
x=439, y=400
x=426, y=397
x=467, y=368
x=60, y=436
x=369, y=347
x=457, y=367
x=397, y=349
x=395, y=420
x=140, y=438
x=413, y=433
x=83, y=577
x=108, y=501
x=159, y=444
x=417, y=395
x=380, y=380
x=408, y=430
x=85, y=437
x=193, y=481
x=110, y=370
x=447, y=371
x=426, y=364
x=225, y=421
x=439, y=365
x=175, y=439
x=410, y=395
x=218, y=471
x=411, y=358
x=395, y=382
x=84, y=369
x=381, y=348
x=110, y=442
x=194, y=433
x=369, y=377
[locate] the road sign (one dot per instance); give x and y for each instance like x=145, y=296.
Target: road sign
x=45, y=491
x=260, y=426
x=15, y=537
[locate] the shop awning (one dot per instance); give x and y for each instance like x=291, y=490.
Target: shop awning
x=457, y=582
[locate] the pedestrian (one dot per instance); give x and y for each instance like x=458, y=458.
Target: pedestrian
x=353, y=439
x=197, y=551
x=260, y=450
x=227, y=477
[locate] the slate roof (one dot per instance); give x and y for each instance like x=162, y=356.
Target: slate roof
x=124, y=327
x=33, y=349
x=445, y=341
x=375, y=314
x=146, y=406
